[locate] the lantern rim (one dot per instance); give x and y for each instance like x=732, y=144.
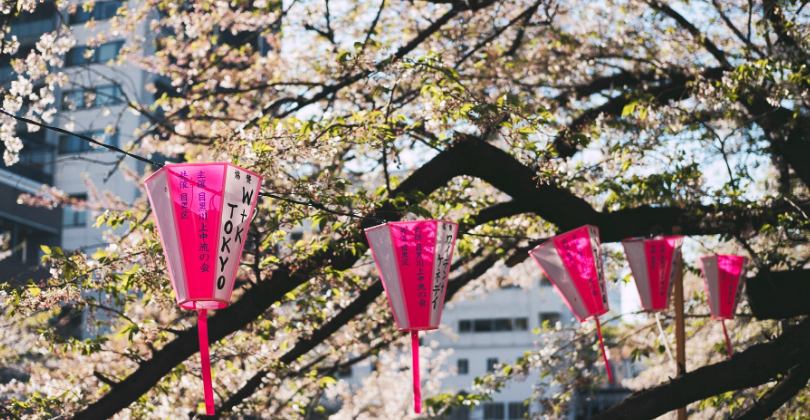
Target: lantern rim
x=168, y=165
x=415, y=329
x=208, y=303
x=593, y=316
x=562, y=233
x=653, y=238
x=410, y=221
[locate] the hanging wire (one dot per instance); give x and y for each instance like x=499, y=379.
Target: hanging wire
x=308, y=203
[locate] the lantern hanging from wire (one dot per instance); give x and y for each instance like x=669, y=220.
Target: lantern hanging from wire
x=202, y=212
x=572, y=261
x=413, y=259
x=654, y=263
x=723, y=277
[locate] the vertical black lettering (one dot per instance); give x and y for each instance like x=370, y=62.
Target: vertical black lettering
x=221, y=282
x=233, y=206
x=222, y=263
x=228, y=227
x=225, y=245
x=239, y=234
x=247, y=196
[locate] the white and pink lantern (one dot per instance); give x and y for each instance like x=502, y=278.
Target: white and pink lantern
x=654, y=263
x=202, y=212
x=413, y=259
x=724, y=277
x=572, y=261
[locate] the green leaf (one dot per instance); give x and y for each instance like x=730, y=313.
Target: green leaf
x=344, y=56
x=629, y=109
x=46, y=249
x=326, y=381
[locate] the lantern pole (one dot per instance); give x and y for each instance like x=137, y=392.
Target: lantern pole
x=417, y=384
x=680, y=328
x=205, y=360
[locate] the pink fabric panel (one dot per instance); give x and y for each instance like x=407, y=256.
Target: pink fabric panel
x=445, y=242
x=157, y=188
x=574, y=248
x=240, y=195
x=675, y=242
x=635, y=251
x=382, y=249
x=547, y=257
x=414, y=247
x=730, y=268
x=596, y=247
x=659, y=253
x=196, y=191
x=708, y=265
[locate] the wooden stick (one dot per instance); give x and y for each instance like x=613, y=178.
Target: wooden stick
x=680, y=329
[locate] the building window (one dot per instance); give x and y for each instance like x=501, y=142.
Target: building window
x=493, y=411
x=463, y=366
x=518, y=410
x=493, y=325
x=551, y=317
x=91, y=98
x=503, y=324
x=491, y=362
x=101, y=11
x=105, y=52
x=344, y=372
x=482, y=325
x=72, y=217
x=73, y=144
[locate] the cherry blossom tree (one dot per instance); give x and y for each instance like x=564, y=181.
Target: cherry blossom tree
x=517, y=118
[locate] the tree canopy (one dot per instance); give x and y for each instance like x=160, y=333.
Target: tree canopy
x=518, y=119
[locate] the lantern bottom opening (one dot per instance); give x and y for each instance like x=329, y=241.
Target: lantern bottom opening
x=418, y=329
x=594, y=316
x=203, y=304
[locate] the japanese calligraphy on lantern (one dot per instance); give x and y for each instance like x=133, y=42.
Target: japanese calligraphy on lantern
x=572, y=261
x=653, y=262
x=414, y=261
x=723, y=277
x=202, y=211
x=239, y=198
x=196, y=205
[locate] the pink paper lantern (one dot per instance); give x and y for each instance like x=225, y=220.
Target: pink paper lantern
x=572, y=261
x=413, y=259
x=202, y=212
x=723, y=277
x=654, y=262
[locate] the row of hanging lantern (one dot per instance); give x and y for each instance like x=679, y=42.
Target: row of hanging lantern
x=203, y=210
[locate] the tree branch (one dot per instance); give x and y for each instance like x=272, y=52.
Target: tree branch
x=777, y=396
x=468, y=156
x=757, y=365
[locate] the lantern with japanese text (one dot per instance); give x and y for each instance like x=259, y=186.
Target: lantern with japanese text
x=653, y=262
x=413, y=259
x=572, y=261
x=202, y=212
x=723, y=276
